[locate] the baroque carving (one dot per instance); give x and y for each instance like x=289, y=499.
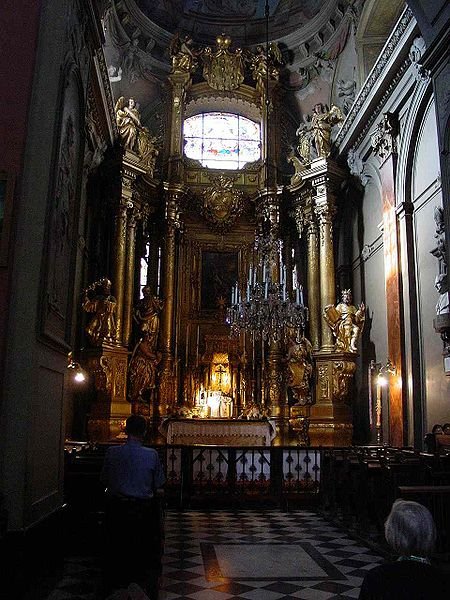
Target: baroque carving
x=221, y=203
x=99, y=301
x=384, y=137
x=222, y=69
x=343, y=372
x=357, y=167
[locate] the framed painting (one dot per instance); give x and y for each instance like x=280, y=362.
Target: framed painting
x=219, y=273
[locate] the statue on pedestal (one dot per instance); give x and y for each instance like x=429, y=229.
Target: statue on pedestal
x=134, y=135
x=346, y=322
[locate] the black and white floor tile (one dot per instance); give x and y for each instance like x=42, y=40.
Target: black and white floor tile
x=248, y=554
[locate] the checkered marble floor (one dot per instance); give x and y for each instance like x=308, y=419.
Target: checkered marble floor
x=249, y=554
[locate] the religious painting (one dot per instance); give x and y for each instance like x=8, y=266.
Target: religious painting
x=219, y=275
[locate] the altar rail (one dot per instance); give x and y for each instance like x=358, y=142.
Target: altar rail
x=213, y=476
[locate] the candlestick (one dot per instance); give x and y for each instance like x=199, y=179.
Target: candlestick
x=198, y=342
x=187, y=345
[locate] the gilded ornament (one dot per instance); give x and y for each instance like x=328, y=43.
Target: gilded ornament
x=322, y=122
x=222, y=69
x=343, y=372
x=222, y=204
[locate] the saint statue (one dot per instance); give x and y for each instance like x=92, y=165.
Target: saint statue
x=299, y=362
x=134, y=135
x=304, y=136
x=98, y=300
x=346, y=322
x=145, y=357
x=265, y=64
x=322, y=122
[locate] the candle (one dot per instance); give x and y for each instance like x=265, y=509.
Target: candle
x=297, y=295
x=301, y=294
x=187, y=345
x=198, y=342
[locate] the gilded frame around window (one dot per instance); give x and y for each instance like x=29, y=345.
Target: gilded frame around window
x=6, y=204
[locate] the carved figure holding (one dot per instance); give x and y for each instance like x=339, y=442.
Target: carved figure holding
x=299, y=362
x=346, y=322
x=322, y=122
x=145, y=357
x=98, y=300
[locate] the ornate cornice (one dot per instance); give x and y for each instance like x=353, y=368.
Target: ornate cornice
x=376, y=72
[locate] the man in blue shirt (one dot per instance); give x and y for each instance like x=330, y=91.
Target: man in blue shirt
x=132, y=474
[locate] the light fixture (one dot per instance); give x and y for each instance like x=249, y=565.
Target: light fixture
x=75, y=368
x=264, y=307
x=383, y=372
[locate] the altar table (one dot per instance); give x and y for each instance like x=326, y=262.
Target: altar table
x=218, y=432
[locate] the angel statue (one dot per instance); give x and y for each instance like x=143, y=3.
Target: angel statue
x=322, y=122
x=304, y=135
x=346, y=322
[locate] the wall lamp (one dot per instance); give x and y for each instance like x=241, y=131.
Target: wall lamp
x=380, y=373
x=75, y=369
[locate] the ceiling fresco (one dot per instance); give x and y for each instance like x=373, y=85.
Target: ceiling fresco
x=244, y=20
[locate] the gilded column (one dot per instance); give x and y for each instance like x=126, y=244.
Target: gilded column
x=133, y=216
x=120, y=255
x=384, y=145
x=167, y=397
x=325, y=211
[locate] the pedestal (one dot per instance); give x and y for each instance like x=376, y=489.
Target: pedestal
x=331, y=415
x=107, y=365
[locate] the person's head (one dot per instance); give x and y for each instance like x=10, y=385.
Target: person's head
x=131, y=102
x=410, y=529
x=347, y=296
x=136, y=426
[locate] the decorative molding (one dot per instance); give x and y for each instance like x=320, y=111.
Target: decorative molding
x=375, y=74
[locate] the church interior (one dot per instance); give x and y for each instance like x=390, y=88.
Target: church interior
x=231, y=218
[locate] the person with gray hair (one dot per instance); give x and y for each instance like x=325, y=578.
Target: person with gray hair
x=411, y=533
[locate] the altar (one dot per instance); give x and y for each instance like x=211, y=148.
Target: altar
x=218, y=432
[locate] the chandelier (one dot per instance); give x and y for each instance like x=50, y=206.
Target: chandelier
x=264, y=307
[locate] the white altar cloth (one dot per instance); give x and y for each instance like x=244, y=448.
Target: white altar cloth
x=218, y=432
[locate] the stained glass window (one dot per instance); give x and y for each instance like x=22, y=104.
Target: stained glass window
x=222, y=140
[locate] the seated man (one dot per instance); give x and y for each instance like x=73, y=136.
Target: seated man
x=132, y=474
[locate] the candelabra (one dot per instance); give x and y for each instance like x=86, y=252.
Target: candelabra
x=264, y=307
